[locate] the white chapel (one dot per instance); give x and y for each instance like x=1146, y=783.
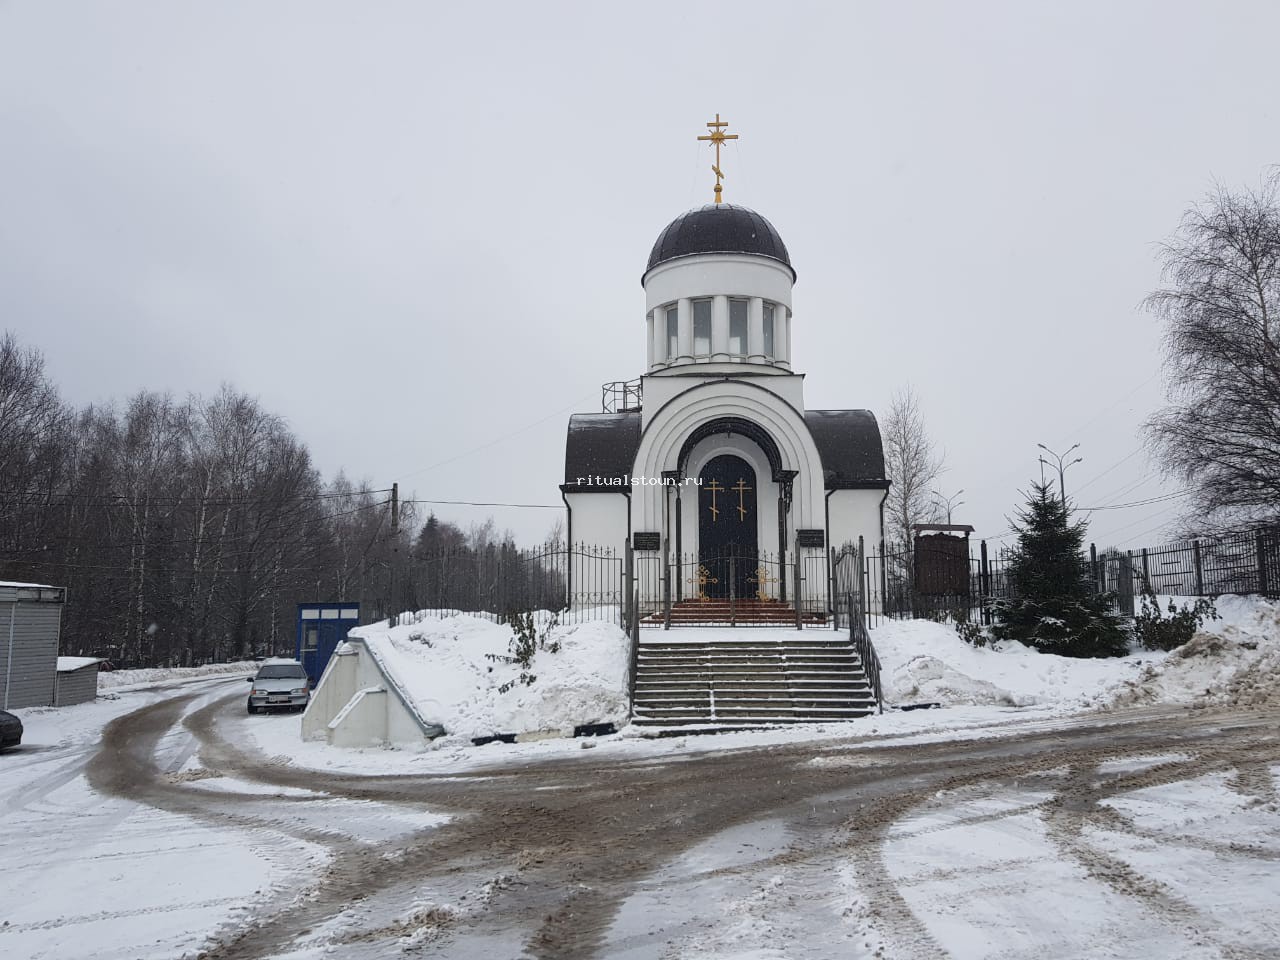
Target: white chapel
x=712, y=453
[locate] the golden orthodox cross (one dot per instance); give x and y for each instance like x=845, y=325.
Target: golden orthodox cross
x=763, y=579
x=741, y=489
x=714, y=486
x=717, y=136
x=701, y=580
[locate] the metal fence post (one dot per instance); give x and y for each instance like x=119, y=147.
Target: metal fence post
x=832, y=602
x=628, y=580
x=862, y=580
x=799, y=592
x=1195, y=557
x=1260, y=547
x=984, y=584
x=1146, y=572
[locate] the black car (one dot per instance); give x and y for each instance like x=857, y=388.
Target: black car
x=10, y=730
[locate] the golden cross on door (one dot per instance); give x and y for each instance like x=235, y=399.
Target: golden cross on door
x=717, y=136
x=741, y=489
x=714, y=486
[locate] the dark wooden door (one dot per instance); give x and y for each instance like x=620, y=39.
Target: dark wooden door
x=727, y=525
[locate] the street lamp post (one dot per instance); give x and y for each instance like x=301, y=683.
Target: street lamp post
x=950, y=502
x=1062, y=467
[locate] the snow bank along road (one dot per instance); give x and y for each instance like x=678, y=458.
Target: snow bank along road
x=1137, y=834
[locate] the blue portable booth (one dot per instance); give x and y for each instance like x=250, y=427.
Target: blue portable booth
x=321, y=627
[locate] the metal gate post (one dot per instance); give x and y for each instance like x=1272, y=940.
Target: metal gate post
x=666, y=584
x=799, y=592
x=733, y=589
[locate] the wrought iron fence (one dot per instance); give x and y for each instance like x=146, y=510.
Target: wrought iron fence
x=963, y=587
x=577, y=582
x=733, y=587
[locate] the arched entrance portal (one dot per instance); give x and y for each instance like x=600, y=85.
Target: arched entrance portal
x=727, y=525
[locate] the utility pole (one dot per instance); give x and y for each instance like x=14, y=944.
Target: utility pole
x=1062, y=467
x=394, y=602
x=950, y=502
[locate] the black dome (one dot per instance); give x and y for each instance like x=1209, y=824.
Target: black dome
x=719, y=228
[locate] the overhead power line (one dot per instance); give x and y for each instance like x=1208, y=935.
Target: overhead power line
x=484, y=503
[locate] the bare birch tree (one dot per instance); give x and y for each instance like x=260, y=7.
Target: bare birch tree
x=1220, y=433
x=912, y=465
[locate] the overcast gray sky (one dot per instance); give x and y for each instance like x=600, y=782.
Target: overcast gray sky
x=414, y=229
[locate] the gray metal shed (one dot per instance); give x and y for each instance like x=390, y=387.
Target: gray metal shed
x=77, y=681
x=30, y=619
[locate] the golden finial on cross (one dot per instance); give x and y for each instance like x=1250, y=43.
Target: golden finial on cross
x=717, y=136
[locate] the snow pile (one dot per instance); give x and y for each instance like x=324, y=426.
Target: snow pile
x=926, y=662
x=115, y=679
x=1234, y=660
x=447, y=667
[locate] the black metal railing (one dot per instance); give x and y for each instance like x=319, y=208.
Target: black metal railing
x=866, y=650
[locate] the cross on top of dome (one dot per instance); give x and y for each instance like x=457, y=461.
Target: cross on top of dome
x=717, y=137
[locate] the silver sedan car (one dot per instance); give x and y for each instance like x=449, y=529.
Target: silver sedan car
x=279, y=683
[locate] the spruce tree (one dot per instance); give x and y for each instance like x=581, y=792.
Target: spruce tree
x=1054, y=606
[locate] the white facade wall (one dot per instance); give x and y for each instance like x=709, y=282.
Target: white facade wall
x=598, y=519
x=660, y=390
x=666, y=432
x=853, y=514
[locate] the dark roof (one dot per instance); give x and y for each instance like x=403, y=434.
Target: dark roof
x=605, y=445
x=601, y=445
x=719, y=228
x=849, y=443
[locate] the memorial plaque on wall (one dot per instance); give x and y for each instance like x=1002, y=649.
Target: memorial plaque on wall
x=811, y=538
x=646, y=541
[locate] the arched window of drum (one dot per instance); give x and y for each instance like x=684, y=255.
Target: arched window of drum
x=768, y=329
x=738, y=327
x=673, y=332
x=701, y=328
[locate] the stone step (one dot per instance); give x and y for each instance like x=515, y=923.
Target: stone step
x=725, y=650
x=679, y=726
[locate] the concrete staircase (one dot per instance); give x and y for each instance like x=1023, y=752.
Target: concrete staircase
x=749, y=683
x=719, y=610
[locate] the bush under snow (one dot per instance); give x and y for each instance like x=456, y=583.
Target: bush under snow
x=1232, y=660
x=926, y=662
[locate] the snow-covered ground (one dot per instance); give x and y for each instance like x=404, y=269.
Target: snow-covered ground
x=88, y=875
x=980, y=691
x=114, y=680
x=1165, y=851
x=457, y=670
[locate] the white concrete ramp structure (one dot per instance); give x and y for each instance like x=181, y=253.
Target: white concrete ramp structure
x=359, y=703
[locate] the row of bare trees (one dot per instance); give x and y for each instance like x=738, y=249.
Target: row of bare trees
x=183, y=530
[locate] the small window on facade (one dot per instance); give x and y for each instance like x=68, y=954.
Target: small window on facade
x=738, y=327
x=310, y=639
x=768, y=329
x=673, y=332
x=701, y=328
